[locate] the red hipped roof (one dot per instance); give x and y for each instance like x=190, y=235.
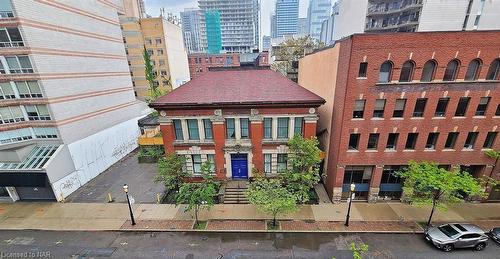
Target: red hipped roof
x=239, y=87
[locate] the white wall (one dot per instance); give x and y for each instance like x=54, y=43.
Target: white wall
x=96, y=153
x=351, y=18
x=443, y=15
x=177, y=54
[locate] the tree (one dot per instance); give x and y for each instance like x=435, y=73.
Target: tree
x=495, y=155
x=292, y=50
x=358, y=250
x=154, y=89
x=271, y=197
x=427, y=184
x=304, y=157
x=170, y=171
x=200, y=195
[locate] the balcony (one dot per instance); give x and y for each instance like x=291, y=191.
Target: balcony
x=374, y=10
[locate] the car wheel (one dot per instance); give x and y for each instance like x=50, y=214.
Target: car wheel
x=447, y=248
x=480, y=246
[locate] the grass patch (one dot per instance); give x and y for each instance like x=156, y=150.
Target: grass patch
x=201, y=225
x=270, y=225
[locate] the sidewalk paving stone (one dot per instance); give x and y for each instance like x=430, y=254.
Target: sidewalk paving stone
x=236, y=225
x=158, y=225
x=354, y=226
x=381, y=212
x=334, y=212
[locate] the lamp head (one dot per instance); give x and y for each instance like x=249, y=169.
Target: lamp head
x=352, y=187
x=125, y=188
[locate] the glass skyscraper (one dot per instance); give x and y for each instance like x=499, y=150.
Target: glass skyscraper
x=287, y=17
x=239, y=24
x=319, y=11
x=212, y=27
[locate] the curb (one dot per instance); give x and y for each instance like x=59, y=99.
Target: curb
x=218, y=231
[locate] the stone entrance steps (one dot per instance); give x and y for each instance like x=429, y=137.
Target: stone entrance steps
x=235, y=192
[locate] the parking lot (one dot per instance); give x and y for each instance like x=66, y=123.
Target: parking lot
x=139, y=178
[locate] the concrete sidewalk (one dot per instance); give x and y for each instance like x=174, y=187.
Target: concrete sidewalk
x=98, y=216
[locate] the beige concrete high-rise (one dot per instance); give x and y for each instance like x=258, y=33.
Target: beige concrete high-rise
x=164, y=43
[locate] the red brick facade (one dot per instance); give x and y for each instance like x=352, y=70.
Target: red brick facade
x=199, y=64
x=366, y=166
x=255, y=146
x=235, y=120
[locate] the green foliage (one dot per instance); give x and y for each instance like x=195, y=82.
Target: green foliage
x=426, y=184
x=170, y=171
x=151, y=151
x=292, y=50
x=154, y=90
x=304, y=174
x=492, y=153
x=358, y=250
x=198, y=196
x=271, y=197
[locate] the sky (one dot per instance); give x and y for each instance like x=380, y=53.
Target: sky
x=176, y=6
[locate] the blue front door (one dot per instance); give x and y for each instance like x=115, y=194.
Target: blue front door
x=239, y=166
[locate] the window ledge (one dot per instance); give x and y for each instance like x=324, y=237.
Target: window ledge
x=479, y=117
x=429, y=150
x=377, y=119
x=435, y=82
x=486, y=149
x=467, y=149
x=397, y=119
x=448, y=150
x=439, y=118
x=496, y=117
x=390, y=150
x=409, y=150
x=352, y=151
x=357, y=119
x=363, y=77
x=190, y=142
x=459, y=117
x=417, y=118
x=371, y=151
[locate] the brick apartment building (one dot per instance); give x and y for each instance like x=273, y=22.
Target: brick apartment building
x=200, y=63
x=392, y=98
x=239, y=118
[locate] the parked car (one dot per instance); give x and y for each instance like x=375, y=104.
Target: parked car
x=457, y=235
x=494, y=233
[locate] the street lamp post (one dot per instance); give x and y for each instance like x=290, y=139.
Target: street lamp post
x=351, y=197
x=125, y=189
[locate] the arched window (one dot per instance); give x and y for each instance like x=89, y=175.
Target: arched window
x=428, y=71
x=407, y=71
x=450, y=74
x=473, y=70
x=494, y=70
x=385, y=72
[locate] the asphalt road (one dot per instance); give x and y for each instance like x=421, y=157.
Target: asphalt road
x=220, y=245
